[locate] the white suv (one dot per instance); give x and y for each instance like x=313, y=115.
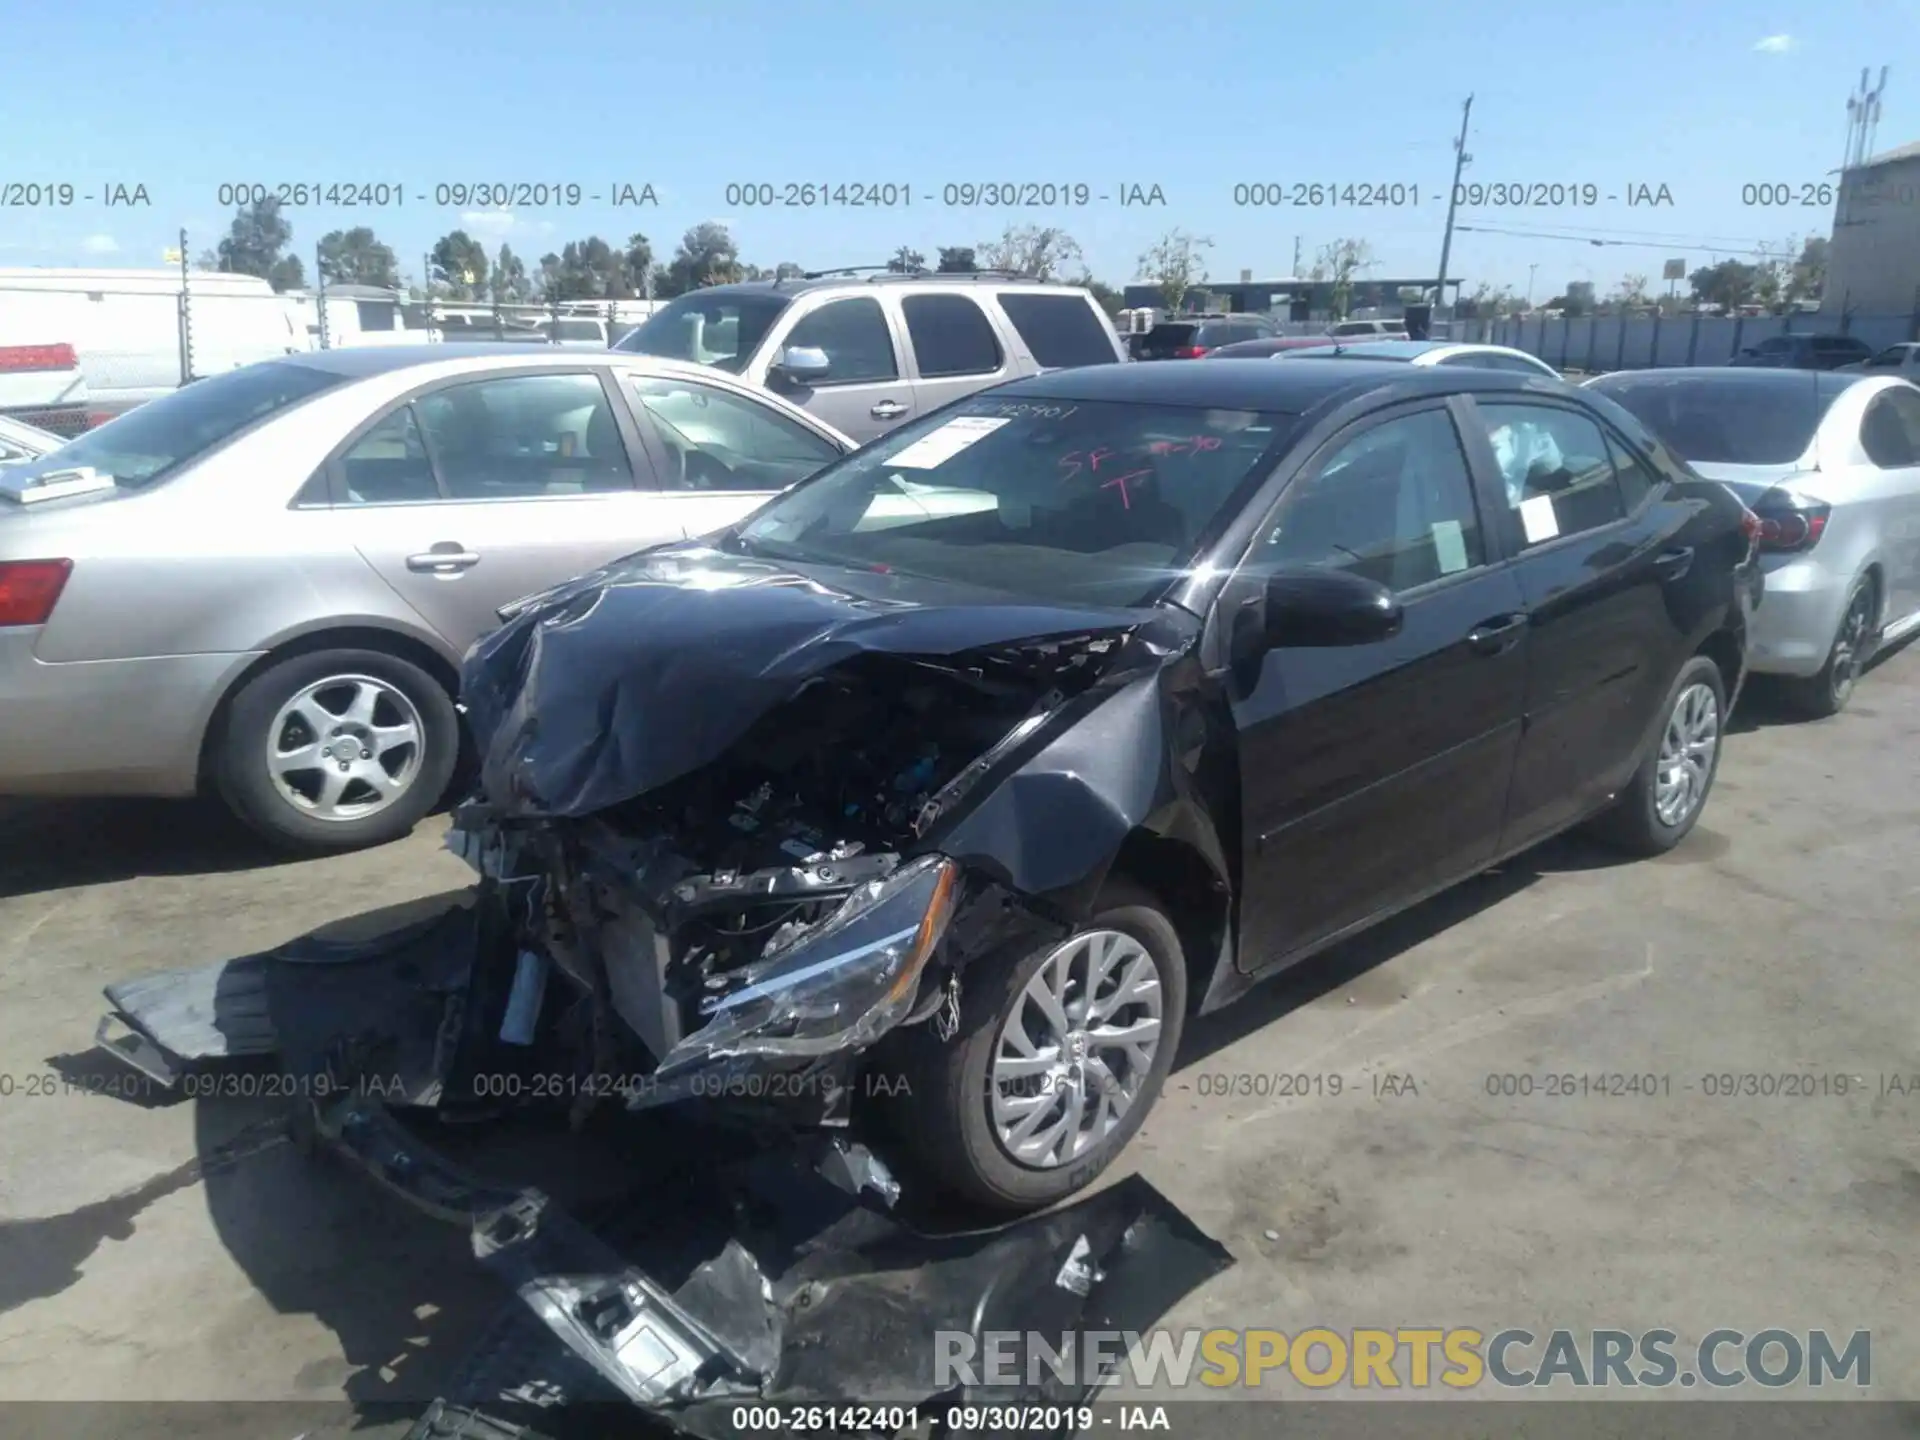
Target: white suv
x=865, y=352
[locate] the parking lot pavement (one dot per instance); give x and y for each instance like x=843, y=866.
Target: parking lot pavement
x=188, y=1252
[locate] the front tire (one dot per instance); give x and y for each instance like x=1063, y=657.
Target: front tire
x=337, y=750
x=1826, y=694
x=1664, y=798
x=1061, y=1052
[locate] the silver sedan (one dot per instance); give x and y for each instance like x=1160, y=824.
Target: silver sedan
x=263, y=583
x=1829, y=462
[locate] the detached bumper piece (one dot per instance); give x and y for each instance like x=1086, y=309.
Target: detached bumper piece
x=768, y=1284
x=803, y=1298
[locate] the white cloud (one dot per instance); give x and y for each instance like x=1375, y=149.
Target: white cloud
x=501, y=224
x=99, y=244
x=1776, y=44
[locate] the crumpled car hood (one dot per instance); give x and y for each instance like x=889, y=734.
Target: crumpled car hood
x=644, y=671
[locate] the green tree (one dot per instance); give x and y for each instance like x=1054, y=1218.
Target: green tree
x=1731, y=283
x=1807, y=276
x=508, y=282
x=707, y=256
x=788, y=270
x=1339, y=262
x=1039, y=252
x=638, y=261
x=463, y=260
x=356, y=257
x=255, y=240
x=287, y=273
x=907, y=261
x=957, y=259
x=1177, y=264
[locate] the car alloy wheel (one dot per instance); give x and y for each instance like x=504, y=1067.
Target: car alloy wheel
x=1076, y=1049
x=1687, y=750
x=1850, y=645
x=345, y=747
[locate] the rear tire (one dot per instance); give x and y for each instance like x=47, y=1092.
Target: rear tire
x=1820, y=696
x=947, y=1117
x=1659, y=805
x=336, y=750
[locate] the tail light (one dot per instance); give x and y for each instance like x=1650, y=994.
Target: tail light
x=1189, y=352
x=1750, y=527
x=15, y=358
x=29, y=588
x=1789, y=522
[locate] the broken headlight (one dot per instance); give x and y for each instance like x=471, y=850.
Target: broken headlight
x=837, y=987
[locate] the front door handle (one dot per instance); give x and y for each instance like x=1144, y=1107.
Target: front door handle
x=1490, y=637
x=1673, y=564
x=888, y=410
x=449, y=557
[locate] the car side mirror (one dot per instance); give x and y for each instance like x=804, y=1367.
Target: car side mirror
x=800, y=365
x=1312, y=608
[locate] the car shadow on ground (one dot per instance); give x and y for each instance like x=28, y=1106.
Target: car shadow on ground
x=1765, y=702
x=49, y=844
x=1347, y=962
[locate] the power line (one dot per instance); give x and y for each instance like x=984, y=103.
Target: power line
x=1758, y=251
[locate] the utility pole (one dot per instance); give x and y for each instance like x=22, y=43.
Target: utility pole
x=1296, y=257
x=1460, y=161
x=186, y=316
x=1530, y=269
x=320, y=290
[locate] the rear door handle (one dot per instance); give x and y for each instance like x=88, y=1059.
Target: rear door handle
x=446, y=558
x=1490, y=637
x=888, y=410
x=1673, y=564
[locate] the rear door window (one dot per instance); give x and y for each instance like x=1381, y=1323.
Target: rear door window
x=1557, y=470
x=1060, y=330
x=951, y=335
x=1890, y=430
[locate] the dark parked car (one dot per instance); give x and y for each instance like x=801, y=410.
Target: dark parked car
x=1805, y=352
x=1271, y=345
x=994, y=751
x=1190, y=339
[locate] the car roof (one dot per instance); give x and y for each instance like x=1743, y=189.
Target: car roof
x=1752, y=377
x=359, y=362
x=1258, y=383
x=787, y=289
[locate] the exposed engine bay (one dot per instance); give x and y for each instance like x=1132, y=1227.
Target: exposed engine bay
x=749, y=907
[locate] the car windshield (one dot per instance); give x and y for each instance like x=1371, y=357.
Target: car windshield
x=1729, y=419
x=1074, y=501
x=152, y=441
x=721, y=330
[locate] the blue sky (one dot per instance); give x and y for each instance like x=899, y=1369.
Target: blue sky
x=1700, y=96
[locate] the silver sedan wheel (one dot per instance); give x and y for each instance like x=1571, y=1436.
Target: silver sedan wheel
x=1076, y=1049
x=345, y=747
x=1686, y=755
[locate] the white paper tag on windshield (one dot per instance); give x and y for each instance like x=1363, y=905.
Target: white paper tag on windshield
x=939, y=446
x=1450, y=546
x=1538, y=520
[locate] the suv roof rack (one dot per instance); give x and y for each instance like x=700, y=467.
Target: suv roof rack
x=884, y=274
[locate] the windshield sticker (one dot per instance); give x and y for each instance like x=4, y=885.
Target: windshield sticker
x=935, y=448
x=1538, y=520
x=1450, y=546
x=1010, y=410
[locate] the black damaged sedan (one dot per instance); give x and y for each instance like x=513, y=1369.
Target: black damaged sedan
x=919, y=810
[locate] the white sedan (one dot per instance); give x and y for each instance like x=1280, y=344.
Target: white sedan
x=1430, y=352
